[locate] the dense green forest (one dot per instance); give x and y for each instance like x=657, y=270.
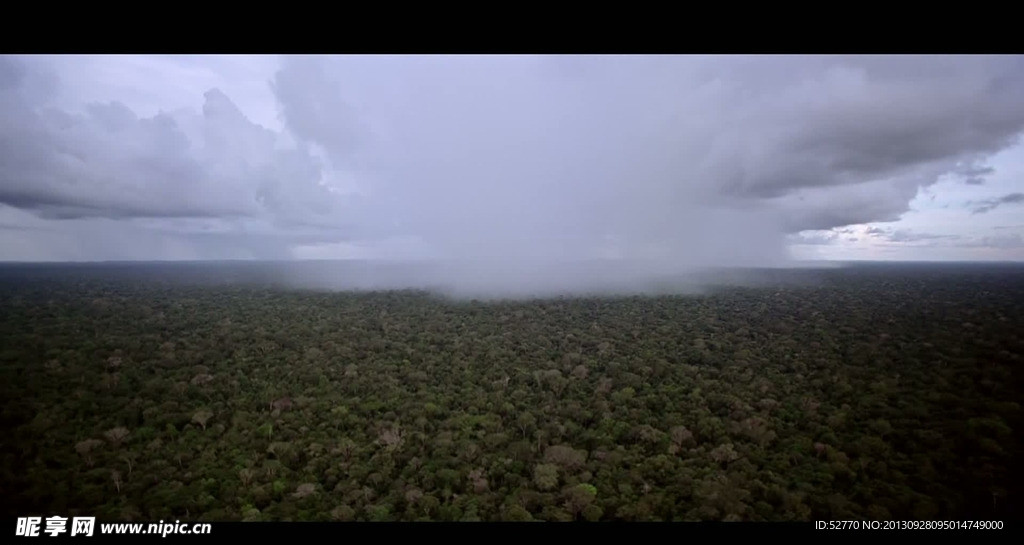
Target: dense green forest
x=873, y=392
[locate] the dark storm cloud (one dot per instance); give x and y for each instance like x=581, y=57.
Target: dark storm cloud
x=696, y=160
x=482, y=152
x=312, y=105
x=862, y=119
x=991, y=204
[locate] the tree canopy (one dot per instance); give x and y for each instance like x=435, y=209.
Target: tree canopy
x=867, y=393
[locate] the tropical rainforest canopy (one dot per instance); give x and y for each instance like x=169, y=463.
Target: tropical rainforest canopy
x=872, y=392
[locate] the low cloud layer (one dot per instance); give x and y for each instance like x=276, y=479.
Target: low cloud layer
x=905, y=235
x=991, y=204
x=1010, y=241
x=682, y=161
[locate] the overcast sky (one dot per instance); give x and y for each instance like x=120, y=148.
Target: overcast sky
x=694, y=160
